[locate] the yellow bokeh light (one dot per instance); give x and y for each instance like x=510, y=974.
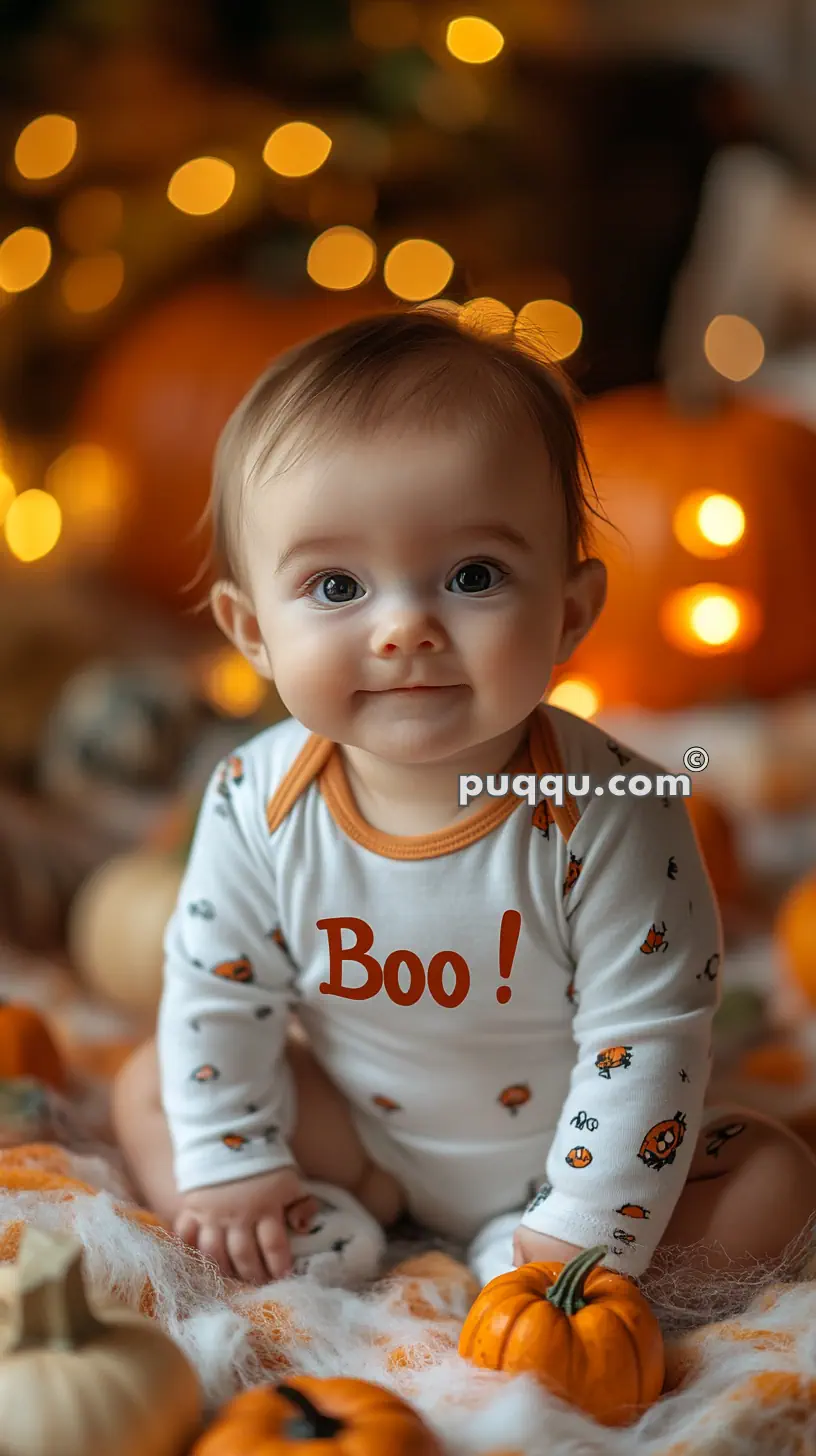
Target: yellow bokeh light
x=297, y=149
x=471, y=39
x=341, y=257
x=232, y=686
x=708, y=524
x=45, y=146
x=576, y=695
x=89, y=284
x=385, y=24
x=734, y=347
x=33, y=525
x=722, y=520
x=416, y=269
x=25, y=256
x=88, y=485
x=447, y=307
x=710, y=618
x=90, y=220
x=7, y=494
x=486, y=316
x=549, y=329
x=201, y=186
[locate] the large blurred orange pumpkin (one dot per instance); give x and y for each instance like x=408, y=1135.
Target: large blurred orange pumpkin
x=646, y=460
x=159, y=398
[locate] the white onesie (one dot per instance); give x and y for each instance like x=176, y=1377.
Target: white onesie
x=518, y=1008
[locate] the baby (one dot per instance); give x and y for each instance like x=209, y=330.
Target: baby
x=490, y=1010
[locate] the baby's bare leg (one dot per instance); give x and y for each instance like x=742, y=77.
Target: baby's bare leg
x=750, y=1193
x=324, y=1143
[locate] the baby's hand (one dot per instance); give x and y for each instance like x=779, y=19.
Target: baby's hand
x=242, y=1226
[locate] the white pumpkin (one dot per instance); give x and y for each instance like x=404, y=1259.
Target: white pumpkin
x=77, y=1381
x=117, y=924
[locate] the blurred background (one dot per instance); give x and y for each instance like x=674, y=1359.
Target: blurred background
x=187, y=190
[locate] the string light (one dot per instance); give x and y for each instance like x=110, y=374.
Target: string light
x=33, y=525
x=90, y=220
x=25, y=257
x=232, y=686
x=549, y=329
x=576, y=695
x=734, y=347
x=297, y=149
x=89, y=487
x=89, y=284
x=341, y=258
x=471, y=39
x=710, y=618
x=709, y=525
x=416, y=269
x=486, y=316
x=7, y=494
x=202, y=185
x=45, y=147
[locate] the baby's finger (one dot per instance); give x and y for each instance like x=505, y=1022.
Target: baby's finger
x=274, y=1247
x=185, y=1227
x=301, y=1213
x=212, y=1244
x=245, y=1256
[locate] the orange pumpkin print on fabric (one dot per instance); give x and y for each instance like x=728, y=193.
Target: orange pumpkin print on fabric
x=238, y=970
x=235, y=1141
x=543, y=818
x=633, y=1210
x=512, y=1098
x=578, y=1157
x=573, y=871
x=623, y=1237
x=612, y=1059
x=207, y=1073
x=655, y=939
x=659, y=1147
x=231, y=772
x=386, y=1104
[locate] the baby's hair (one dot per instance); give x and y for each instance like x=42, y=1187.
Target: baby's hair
x=415, y=364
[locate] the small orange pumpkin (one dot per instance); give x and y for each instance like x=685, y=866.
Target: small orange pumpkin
x=587, y=1334
x=353, y=1415
x=27, y=1048
x=796, y=935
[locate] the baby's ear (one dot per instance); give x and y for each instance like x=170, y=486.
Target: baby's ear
x=584, y=598
x=235, y=615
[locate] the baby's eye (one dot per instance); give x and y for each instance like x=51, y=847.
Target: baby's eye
x=475, y=577
x=339, y=588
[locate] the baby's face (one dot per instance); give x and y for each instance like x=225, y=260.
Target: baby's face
x=409, y=591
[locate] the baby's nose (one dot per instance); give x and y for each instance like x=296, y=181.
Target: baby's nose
x=406, y=634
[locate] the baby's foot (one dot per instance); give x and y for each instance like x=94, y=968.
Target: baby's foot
x=344, y=1247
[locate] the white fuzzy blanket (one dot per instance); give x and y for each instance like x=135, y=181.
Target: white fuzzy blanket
x=235, y=1336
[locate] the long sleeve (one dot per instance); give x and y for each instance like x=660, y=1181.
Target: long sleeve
x=228, y=987
x=644, y=932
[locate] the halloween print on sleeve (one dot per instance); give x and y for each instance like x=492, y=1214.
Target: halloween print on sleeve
x=223, y=1013
x=641, y=1027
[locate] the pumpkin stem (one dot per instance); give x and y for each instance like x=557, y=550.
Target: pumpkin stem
x=310, y=1424
x=52, y=1309
x=567, y=1293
